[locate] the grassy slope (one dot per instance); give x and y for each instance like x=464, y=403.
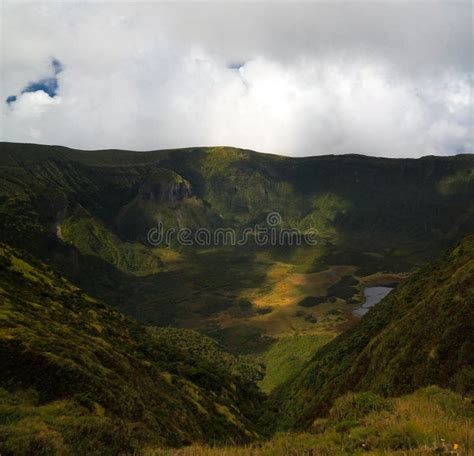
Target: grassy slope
x=421, y=334
x=47, y=412
x=286, y=356
x=92, y=238
x=429, y=421
x=84, y=375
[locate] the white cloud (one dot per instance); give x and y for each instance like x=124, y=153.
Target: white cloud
x=33, y=105
x=148, y=76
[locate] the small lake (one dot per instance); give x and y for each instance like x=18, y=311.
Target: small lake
x=373, y=295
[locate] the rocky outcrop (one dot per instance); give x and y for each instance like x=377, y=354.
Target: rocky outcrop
x=165, y=187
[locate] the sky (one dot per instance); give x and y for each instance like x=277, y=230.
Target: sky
x=382, y=78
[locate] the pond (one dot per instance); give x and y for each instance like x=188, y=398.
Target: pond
x=373, y=295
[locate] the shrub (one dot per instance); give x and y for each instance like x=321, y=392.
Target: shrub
x=30, y=440
x=355, y=406
x=402, y=437
x=311, y=301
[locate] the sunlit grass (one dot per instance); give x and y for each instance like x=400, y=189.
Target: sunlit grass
x=429, y=421
x=287, y=356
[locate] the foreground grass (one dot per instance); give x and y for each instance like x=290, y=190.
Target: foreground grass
x=429, y=421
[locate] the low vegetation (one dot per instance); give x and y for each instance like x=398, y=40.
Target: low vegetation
x=78, y=376
x=429, y=421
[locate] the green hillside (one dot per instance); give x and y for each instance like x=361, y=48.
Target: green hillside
x=420, y=334
x=76, y=375
x=110, y=345
x=80, y=378
x=342, y=194
x=87, y=214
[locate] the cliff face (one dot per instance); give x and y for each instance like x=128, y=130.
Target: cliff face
x=164, y=186
x=377, y=202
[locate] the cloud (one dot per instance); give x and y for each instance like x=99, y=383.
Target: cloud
x=306, y=79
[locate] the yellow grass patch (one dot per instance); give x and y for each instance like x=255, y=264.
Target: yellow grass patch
x=288, y=288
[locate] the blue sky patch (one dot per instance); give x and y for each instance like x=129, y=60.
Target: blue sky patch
x=235, y=65
x=48, y=85
x=57, y=66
